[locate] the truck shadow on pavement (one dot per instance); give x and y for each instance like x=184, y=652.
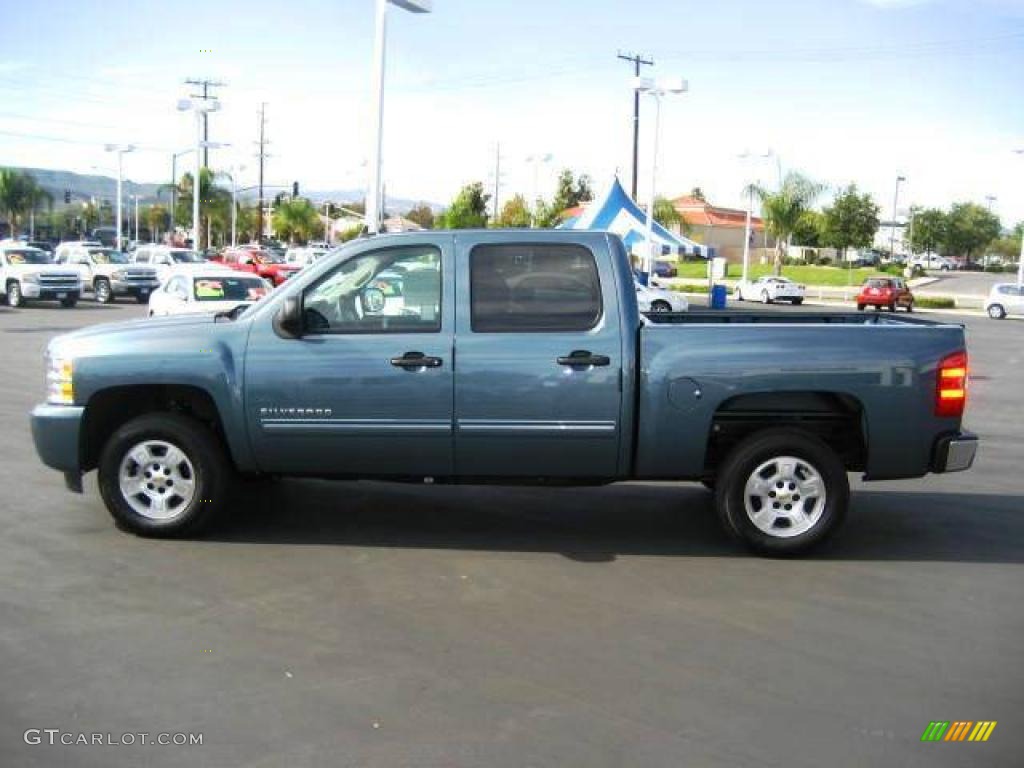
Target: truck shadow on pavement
x=598, y=524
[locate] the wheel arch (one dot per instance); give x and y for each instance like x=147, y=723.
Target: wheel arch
x=110, y=408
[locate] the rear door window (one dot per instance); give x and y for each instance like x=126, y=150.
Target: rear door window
x=533, y=288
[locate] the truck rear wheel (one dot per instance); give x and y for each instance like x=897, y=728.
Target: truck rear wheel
x=164, y=475
x=782, y=492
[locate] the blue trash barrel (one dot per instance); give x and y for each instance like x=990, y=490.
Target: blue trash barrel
x=718, y=293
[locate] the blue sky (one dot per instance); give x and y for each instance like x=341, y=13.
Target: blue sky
x=843, y=90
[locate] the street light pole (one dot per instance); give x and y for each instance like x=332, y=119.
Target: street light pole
x=121, y=150
x=199, y=106
x=750, y=206
x=373, y=191
x=656, y=91
x=892, y=229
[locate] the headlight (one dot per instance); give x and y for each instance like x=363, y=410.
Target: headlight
x=31, y=277
x=117, y=274
x=59, y=387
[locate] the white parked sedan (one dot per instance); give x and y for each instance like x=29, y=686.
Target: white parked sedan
x=190, y=292
x=770, y=288
x=654, y=299
x=1005, y=299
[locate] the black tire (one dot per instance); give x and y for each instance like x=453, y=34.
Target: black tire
x=102, y=291
x=15, y=298
x=660, y=306
x=765, y=298
x=860, y=307
x=212, y=476
x=910, y=307
x=69, y=302
x=892, y=307
x=761, y=448
x=142, y=299
x=996, y=312
x=797, y=302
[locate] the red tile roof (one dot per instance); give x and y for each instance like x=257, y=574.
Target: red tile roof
x=699, y=213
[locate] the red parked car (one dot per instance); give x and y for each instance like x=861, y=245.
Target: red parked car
x=263, y=263
x=888, y=292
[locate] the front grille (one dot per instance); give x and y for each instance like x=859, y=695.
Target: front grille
x=71, y=282
x=136, y=276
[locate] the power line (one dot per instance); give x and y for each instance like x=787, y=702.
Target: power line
x=637, y=60
x=206, y=85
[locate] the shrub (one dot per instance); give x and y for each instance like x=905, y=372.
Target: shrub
x=691, y=287
x=994, y=268
x=935, y=302
x=824, y=261
x=1012, y=268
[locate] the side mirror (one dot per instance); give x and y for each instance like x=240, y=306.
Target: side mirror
x=288, y=320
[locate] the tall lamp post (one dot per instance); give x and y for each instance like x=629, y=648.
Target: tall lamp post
x=121, y=150
x=199, y=107
x=750, y=205
x=1020, y=260
x=656, y=90
x=892, y=229
x=373, y=192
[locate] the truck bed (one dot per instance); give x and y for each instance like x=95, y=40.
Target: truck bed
x=787, y=318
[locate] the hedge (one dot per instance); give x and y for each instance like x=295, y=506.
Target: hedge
x=935, y=302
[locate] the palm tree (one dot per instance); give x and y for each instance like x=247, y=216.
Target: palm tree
x=35, y=195
x=782, y=210
x=666, y=214
x=295, y=219
x=215, y=209
x=15, y=195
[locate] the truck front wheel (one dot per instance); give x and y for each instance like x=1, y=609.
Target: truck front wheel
x=14, y=295
x=164, y=475
x=104, y=294
x=782, y=492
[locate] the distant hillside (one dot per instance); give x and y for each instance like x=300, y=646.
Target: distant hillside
x=85, y=187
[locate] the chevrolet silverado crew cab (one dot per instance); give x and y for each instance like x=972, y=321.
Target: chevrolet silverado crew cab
x=502, y=357
x=107, y=273
x=28, y=273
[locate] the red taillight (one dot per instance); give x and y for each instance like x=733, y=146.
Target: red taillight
x=951, y=385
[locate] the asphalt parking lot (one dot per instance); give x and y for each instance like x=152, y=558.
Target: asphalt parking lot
x=361, y=624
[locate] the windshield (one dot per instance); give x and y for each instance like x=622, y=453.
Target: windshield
x=229, y=289
x=186, y=257
x=27, y=256
x=108, y=256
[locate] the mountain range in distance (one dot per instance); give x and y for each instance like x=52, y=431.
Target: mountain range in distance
x=85, y=187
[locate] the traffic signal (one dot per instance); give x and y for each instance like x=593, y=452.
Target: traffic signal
x=295, y=189
x=67, y=196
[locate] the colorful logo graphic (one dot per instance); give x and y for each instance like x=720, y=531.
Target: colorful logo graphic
x=958, y=730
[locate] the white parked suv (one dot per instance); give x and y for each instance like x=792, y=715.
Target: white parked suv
x=1005, y=299
x=933, y=261
x=166, y=259
x=107, y=273
x=28, y=273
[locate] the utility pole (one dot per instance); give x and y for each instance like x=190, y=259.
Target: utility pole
x=262, y=155
x=497, y=178
x=206, y=85
x=637, y=61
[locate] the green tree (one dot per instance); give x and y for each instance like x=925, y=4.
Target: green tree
x=666, y=214
x=423, y=215
x=851, y=221
x=928, y=233
x=468, y=210
x=214, y=208
x=571, y=190
x=515, y=213
x=156, y=218
x=810, y=229
x=969, y=229
x=783, y=209
x=295, y=220
x=16, y=190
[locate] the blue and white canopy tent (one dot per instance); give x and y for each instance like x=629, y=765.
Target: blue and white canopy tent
x=616, y=212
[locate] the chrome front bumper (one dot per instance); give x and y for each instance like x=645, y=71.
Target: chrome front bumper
x=955, y=453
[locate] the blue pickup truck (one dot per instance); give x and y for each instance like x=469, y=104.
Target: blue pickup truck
x=502, y=357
